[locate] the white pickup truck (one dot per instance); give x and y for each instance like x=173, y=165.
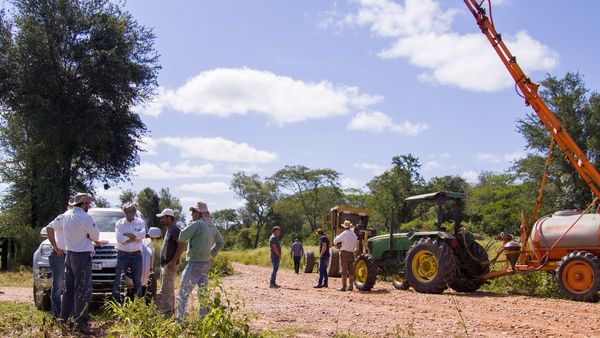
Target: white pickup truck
x=104, y=260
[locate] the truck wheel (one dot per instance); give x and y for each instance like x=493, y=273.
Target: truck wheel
x=430, y=266
x=466, y=279
x=333, y=270
x=309, y=261
x=578, y=276
x=41, y=298
x=365, y=272
x=150, y=289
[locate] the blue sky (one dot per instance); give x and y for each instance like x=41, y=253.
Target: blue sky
x=256, y=85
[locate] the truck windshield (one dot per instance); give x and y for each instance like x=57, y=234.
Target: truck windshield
x=105, y=221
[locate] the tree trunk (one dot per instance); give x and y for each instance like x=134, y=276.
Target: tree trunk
x=258, y=227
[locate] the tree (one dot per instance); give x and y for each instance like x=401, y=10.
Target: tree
x=101, y=202
x=166, y=200
x=148, y=204
x=307, y=186
x=579, y=114
x=259, y=196
x=70, y=74
x=128, y=196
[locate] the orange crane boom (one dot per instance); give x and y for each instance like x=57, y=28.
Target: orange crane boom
x=530, y=92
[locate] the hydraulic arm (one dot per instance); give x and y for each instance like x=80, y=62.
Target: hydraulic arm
x=529, y=90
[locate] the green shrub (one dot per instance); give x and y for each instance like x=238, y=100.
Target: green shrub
x=537, y=284
x=221, y=266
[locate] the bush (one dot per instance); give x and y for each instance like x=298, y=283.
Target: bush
x=221, y=266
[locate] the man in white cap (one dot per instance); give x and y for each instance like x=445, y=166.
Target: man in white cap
x=170, y=253
x=204, y=240
x=130, y=231
x=347, y=239
x=57, y=260
x=79, y=234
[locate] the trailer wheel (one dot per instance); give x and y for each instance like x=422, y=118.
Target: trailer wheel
x=466, y=279
x=333, y=270
x=430, y=266
x=578, y=276
x=309, y=261
x=365, y=272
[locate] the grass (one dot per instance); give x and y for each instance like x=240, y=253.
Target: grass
x=262, y=256
x=21, y=277
x=24, y=320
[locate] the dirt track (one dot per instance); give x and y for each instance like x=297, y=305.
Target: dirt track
x=299, y=310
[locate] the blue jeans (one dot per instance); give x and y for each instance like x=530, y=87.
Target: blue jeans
x=195, y=273
x=275, y=264
x=78, y=287
x=57, y=268
x=323, y=279
x=126, y=260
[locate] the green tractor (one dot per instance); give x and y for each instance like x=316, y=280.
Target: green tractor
x=428, y=261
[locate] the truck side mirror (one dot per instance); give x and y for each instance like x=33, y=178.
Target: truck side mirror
x=154, y=232
x=44, y=232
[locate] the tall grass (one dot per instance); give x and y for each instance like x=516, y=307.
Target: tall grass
x=262, y=256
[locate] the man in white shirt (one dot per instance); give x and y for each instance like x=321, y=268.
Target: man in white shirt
x=57, y=261
x=79, y=232
x=347, y=239
x=130, y=232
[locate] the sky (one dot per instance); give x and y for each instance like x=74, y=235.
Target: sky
x=255, y=85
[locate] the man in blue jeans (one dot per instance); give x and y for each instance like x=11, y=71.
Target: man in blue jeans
x=130, y=231
x=323, y=259
x=57, y=261
x=275, y=247
x=203, y=241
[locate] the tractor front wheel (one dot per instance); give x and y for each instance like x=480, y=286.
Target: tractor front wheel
x=365, y=272
x=430, y=265
x=578, y=276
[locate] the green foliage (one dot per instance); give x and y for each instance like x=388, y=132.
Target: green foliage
x=101, y=202
x=148, y=203
x=537, y=284
x=167, y=200
x=23, y=320
x=131, y=319
x=221, y=266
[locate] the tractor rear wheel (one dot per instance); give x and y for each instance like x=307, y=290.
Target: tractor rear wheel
x=430, y=266
x=466, y=279
x=309, y=261
x=365, y=272
x=578, y=276
x=333, y=270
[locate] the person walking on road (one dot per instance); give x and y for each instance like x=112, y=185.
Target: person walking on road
x=347, y=239
x=170, y=253
x=130, y=231
x=203, y=241
x=57, y=261
x=79, y=234
x=297, y=251
x=275, y=248
x=323, y=259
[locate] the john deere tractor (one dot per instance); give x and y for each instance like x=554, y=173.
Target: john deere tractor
x=427, y=261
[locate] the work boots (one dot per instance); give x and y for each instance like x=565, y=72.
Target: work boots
x=343, y=283
x=351, y=286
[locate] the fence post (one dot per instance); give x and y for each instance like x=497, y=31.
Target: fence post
x=4, y=253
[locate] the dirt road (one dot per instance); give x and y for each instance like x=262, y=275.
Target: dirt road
x=296, y=309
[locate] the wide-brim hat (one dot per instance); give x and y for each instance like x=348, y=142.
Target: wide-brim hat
x=200, y=207
x=346, y=225
x=166, y=212
x=81, y=197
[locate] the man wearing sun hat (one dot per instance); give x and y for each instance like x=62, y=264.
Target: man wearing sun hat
x=203, y=241
x=79, y=233
x=130, y=231
x=347, y=239
x=170, y=253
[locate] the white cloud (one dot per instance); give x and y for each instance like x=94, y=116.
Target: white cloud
x=206, y=188
x=421, y=32
x=248, y=169
x=375, y=168
x=228, y=91
x=498, y=158
x=431, y=165
x=148, y=145
x=219, y=149
x=188, y=201
x=166, y=171
x=471, y=176
x=351, y=183
x=378, y=122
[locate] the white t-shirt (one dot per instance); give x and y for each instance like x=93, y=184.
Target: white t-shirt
x=79, y=231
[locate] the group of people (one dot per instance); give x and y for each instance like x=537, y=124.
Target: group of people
x=345, y=241
x=74, y=236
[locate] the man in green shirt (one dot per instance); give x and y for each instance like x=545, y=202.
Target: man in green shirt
x=203, y=241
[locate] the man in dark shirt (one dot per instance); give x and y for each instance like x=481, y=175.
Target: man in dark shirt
x=170, y=253
x=297, y=251
x=323, y=259
x=275, y=247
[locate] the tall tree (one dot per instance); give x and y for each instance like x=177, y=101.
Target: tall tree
x=128, y=196
x=148, y=203
x=308, y=187
x=167, y=200
x=259, y=196
x=70, y=74
x=579, y=113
